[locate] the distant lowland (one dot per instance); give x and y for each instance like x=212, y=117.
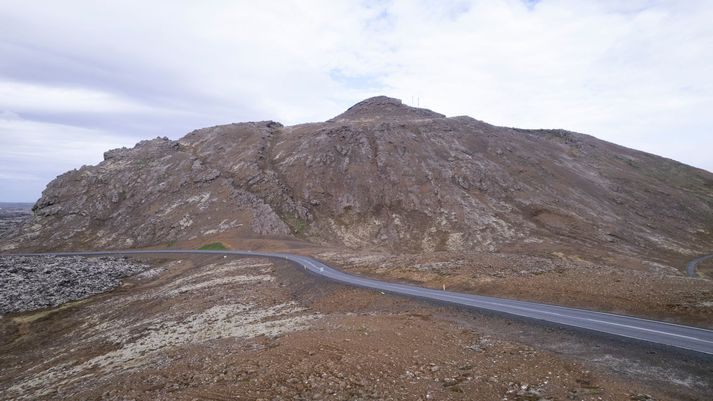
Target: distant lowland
x=13, y=214
x=6, y=206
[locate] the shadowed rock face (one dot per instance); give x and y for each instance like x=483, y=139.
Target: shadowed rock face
x=380, y=175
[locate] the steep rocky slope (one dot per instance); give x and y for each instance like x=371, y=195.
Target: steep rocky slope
x=382, y=175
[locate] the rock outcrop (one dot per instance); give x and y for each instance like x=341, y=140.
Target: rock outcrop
x=381, y=175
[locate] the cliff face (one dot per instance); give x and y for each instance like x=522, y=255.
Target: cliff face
x=380, y=175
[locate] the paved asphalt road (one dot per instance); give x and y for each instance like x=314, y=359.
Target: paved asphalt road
x=692, y=265
x=686, y=337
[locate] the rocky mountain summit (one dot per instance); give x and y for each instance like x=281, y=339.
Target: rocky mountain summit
x=382, y=108
x=382, y=175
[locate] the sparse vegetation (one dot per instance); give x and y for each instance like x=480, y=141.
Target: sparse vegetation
x=296, y=224
x=213, y=246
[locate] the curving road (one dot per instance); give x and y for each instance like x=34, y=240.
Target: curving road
x=673, y=335
x=692, y=265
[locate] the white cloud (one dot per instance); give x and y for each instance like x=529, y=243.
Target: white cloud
x=34, y=153
x=27, y=97
x=635, y=73
x=48, y=142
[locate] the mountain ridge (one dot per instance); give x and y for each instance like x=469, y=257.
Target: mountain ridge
x=380, y=175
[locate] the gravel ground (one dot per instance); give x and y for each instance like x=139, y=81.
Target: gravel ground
x=28, y=283
x=208, y=327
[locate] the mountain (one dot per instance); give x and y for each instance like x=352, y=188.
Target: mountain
x=382, y=175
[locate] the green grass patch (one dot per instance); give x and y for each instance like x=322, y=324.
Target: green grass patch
x=296, y=224
x=213, y=246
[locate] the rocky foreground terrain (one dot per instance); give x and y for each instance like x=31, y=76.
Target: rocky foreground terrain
x=627, y=286
x=29, y=283
x=200, y=328
x=385, y=176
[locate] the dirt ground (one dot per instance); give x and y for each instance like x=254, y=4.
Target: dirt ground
x=616, y=285
x=705, y=269
x=656, y=287
x=250, y=328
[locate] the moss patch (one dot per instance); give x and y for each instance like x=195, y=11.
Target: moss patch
x=296, y=224
x=213, y=246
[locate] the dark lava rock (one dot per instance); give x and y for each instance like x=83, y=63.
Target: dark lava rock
x=28, y=283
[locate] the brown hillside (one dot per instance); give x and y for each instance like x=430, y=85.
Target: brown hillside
x=382, y=175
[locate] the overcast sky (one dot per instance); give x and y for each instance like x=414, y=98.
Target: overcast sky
x=80, y=77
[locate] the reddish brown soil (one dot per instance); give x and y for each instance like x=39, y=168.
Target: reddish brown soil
x=153, y=339
x=638, y=289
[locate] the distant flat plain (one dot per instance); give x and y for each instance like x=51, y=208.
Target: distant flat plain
x=12, y=214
